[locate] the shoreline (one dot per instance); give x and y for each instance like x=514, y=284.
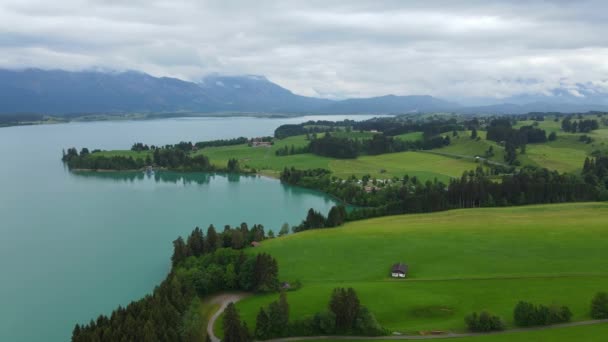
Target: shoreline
x=160, y=116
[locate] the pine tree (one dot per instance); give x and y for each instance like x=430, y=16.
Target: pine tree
x=233, y=329
x=212, y=241
x=238, y=241
x=180, y=251
x=262, y=325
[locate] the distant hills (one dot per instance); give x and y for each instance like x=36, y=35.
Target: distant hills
x=61, y=92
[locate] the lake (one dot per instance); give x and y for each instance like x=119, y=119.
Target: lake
x=74, y=246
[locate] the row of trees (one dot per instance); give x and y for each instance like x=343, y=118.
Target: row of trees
x=582, y=126
x=474, y=189
x=176, y=159
x=388, y=126
x=484, y=322
x=595, y=171
x=291, y=150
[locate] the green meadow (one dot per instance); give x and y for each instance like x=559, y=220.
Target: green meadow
x=460, y=261
x=591, y=333
x=422, y=165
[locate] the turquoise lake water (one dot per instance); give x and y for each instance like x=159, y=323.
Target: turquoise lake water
x=73, y=246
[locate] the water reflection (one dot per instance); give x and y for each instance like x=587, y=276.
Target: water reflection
x=200, y=178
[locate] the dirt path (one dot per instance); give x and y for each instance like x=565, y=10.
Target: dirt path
x=223, y=300
x=433, y=337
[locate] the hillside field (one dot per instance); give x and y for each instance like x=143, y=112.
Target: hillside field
x=460, y=261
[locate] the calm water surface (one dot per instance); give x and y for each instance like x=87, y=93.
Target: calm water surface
x=73, y=246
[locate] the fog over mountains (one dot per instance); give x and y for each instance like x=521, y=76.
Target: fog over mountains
x=63, y=92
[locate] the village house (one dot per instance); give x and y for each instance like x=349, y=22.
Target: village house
x=399, y=270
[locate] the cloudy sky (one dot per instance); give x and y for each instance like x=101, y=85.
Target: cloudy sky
x=325, y=48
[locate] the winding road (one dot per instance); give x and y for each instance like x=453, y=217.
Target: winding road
x=226, y=299
x=223, y=300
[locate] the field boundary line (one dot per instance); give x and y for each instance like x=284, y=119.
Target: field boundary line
x=437, y=337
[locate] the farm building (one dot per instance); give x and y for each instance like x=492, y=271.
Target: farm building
x=399, y=270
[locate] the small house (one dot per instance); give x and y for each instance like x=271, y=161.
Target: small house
x=399, y=270
x=255, y=244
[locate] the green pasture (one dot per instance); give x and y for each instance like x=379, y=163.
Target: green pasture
x=425, y=166
x=413, y=136
x=460, y=261
x=590, y=333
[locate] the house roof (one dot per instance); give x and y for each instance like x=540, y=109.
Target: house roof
x=399, y=268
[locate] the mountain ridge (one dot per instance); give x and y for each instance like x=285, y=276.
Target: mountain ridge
x=60, y=92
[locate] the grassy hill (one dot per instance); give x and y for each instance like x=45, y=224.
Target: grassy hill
x=460, y=261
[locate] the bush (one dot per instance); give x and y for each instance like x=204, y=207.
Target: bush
x=599, y=306
x=484, y=322
x=527, y=314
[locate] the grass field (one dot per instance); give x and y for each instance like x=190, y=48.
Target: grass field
x=413, y=136
x=425, y=166
x=592, y=333
x=422, y=165
x=460, y=261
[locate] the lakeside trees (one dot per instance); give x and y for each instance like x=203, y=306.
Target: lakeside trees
x=474, y=189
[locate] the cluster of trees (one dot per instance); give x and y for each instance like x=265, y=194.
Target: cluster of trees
x=500, y=130
x=314, y=220
x=233, y=165
x=198, y=244
x=582, y=126
x=484, y=322
x=138, y=147
x=599, y=306
x=527, y=314
x=176, y=158
x=340, y=147
x=595, y=172
x=345, y=316
x=273, y=321
x=335, y=147
x=90, y=161
x=179, y=159
x=287, y=151
x=222, y=142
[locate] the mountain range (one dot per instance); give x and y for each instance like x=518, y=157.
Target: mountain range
x=93, y=92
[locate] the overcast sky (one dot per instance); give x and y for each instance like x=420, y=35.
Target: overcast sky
x=325, y=48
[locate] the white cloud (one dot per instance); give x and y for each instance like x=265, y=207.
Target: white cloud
x=332, y=49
